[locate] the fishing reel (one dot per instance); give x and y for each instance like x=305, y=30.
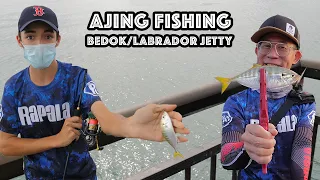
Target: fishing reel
x=91, y=131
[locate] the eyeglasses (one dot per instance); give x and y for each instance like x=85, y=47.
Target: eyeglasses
x=282, y=49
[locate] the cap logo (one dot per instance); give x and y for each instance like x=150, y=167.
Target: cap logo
x=290, y=29
x=38, y=11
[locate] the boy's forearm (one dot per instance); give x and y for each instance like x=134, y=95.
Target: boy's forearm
x=112, y=123
x=15, y=146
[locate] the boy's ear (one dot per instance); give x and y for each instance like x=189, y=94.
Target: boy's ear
x=19, y=41
x=58, y=40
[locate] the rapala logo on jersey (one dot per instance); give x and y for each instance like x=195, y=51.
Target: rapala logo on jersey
x=286, y=124
x=312, y=116
x=226, y=118
x=91, y=89
x=1, y=112
x=36, y=113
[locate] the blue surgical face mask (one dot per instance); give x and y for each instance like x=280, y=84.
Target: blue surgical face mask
x=40, y=56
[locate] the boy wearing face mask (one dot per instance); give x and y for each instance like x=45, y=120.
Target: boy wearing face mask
x=39, y=103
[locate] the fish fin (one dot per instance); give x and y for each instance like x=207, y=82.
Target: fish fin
x=225, y=83
x=297, y=83
x=176, y=154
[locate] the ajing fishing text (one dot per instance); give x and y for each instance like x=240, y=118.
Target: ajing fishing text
x=161, y=20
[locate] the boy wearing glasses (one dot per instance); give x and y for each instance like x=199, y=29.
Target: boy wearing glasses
x=286, y=148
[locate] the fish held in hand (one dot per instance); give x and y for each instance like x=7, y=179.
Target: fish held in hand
x=168, y=133
x=276, y=78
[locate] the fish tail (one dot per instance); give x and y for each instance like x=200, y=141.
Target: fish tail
x=176, y=154
x=225, y=83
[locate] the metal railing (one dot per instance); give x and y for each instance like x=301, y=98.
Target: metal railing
x=189, y=102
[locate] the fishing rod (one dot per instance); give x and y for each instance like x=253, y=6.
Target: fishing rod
x=92, y=128
x=263, y=115
x=77, y=112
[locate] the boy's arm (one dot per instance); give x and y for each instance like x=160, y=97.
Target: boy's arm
x=11, y=145
x=144, y=124
x=111, y=123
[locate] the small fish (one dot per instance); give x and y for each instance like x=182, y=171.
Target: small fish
x=168, y=133
x=277, y=77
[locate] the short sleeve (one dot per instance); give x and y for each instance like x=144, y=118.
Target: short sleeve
x=9, y=118
x=308, y=114
x=89, y=93
x=232, y=118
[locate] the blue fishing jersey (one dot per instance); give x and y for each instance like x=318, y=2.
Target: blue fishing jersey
x=292, y=152
x=40, y=111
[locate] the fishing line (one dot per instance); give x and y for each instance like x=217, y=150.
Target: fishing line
x=77, y=112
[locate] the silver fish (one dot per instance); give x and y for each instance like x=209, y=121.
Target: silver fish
x=168, y=133
x=276, y=77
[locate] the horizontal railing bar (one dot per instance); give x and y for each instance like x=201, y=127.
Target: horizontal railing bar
x=310, y=64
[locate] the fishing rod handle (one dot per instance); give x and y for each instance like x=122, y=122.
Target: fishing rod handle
x=77, y=112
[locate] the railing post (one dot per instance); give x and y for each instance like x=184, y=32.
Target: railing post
x=234, y=175
x=187, y=173
x=213, y=167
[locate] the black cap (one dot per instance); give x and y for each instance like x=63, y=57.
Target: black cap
x=37, y=13
x=279, y=24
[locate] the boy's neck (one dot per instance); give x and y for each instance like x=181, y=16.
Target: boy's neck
x=43, y=77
